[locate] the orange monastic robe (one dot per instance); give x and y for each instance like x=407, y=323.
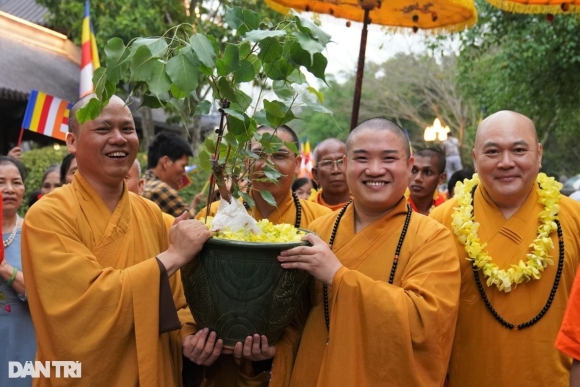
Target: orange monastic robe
x=93, y=288
x=382, y=334
x=437, y=201
x=485, y=353
x=320, y=200
x=568, y=340
x=225, y=372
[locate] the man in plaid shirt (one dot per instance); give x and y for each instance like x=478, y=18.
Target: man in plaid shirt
x=166, y=160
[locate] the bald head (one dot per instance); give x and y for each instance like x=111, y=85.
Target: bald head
x=282, y=128
x=329, y=143
x=505, y=119
x=380, y=125
x=133, y=178
x=74, y=125
x=507, y=158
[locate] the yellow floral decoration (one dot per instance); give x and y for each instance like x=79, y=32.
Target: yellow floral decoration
x=465, y=227
x=278, y=233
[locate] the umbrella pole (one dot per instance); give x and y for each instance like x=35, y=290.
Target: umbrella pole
x=360, y=72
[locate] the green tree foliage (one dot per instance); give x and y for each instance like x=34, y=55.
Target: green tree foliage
x=409, y=89
x=527, y=64
x=166, y=71
x=122, y=18
x=36, y=162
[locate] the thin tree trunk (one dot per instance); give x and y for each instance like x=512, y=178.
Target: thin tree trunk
x=147, y=127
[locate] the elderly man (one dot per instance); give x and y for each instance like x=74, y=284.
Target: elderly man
x=516, y=234
x=385, y=301
x=427, y=173
x=100, y=268
x=289, y=209
x=329, y=173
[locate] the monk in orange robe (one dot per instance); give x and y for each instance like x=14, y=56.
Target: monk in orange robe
x=513, y=346
x=568, y=339
x=328, y=171
x=427, y=174
x=384, y=302
x=262, y=370
x=101, y=273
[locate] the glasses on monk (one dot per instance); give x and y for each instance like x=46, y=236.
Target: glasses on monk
x=280, y=155
x=328, y=164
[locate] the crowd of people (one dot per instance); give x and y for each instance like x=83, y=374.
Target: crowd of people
x=410, y=286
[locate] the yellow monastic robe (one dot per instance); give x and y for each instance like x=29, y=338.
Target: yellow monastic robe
x=485, y=353
x=225, y=372
x=382, y=334
x=93, y=288
x=320, y=200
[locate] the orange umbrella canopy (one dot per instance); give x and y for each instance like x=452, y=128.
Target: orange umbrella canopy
x=432, y=15
x=538, y=6
x=443, y=15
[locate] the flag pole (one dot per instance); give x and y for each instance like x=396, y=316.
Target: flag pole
x=20, y=137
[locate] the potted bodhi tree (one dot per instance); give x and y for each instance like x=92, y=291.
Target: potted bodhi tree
x=236, y=288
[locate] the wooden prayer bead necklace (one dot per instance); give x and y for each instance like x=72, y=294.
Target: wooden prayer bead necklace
x=544, y=310
x=395, y=259
x=298, y=218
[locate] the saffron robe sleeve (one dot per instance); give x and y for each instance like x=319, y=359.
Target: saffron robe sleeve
x=382, y=334
x=93, y=287
x=485, y=353
x=568, y=340
x=226, y=371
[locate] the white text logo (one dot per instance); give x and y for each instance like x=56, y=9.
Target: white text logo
x=58, y=369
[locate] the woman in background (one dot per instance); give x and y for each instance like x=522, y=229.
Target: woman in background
x=50, y=179
x=68, y=169
x=303, y=187
x=16, y=329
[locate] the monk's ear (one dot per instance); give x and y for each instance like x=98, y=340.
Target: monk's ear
x=315, y=174
x=71, y=142
x=410, y=163
x=540, y=152
x=442, y=178
x=297, y=164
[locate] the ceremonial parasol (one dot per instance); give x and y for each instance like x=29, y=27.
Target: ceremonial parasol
x=537, y=6
x=434, y=15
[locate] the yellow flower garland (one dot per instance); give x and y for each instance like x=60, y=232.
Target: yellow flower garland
x=465, y=227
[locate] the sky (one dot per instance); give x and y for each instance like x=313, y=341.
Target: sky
x=342, y=53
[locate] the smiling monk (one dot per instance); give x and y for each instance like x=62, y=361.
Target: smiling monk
x=100, y=268
x=387, y=279
x=513, y=296
x=264, y=369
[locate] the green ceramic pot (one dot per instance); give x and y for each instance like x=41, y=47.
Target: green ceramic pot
x=239, y=288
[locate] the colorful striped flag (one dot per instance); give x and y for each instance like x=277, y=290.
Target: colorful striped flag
x=47, y=115
x=89, y=54
x=306, y=164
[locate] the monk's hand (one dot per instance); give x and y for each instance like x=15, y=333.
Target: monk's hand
x=186, y=238
x=317, y=259
x=254, y=348
x=202, y=348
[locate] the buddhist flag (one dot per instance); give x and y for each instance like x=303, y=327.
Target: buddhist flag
x=306, y=163
x=47, y=115
x=89, y=54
